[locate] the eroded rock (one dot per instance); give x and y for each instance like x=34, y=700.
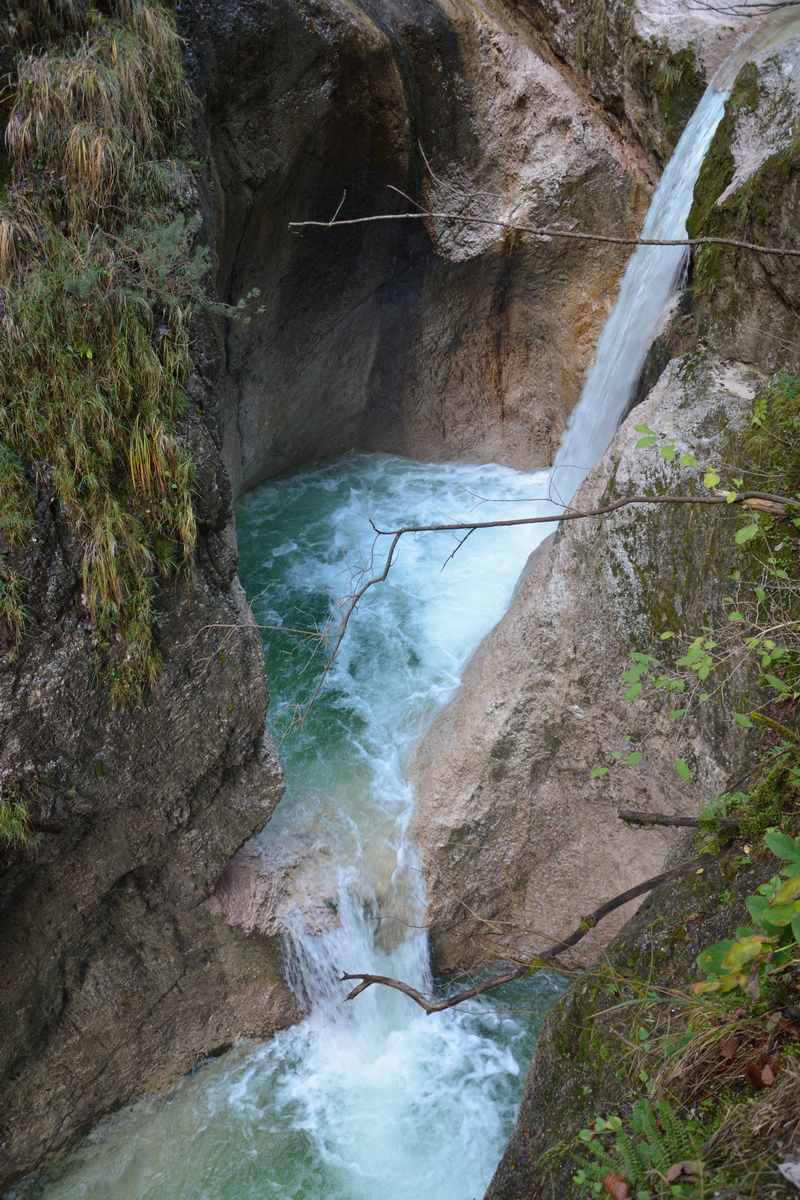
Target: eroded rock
x=116, y=978
x=445, y=342
x=517, y=841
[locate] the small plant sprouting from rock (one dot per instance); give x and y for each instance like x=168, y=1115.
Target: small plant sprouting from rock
x=747, y=660
x=653, y=1153
x=757, y=955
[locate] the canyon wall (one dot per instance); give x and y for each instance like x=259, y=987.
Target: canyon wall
x=116, y=978
x=743, y=305
x=432, y=339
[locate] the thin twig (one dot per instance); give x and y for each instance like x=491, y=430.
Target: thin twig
x=554, y=518
x=539, y=960
x=548, y=232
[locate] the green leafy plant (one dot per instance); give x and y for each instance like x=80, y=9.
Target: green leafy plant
x=746, y=962
x=100, y=276
x=654, y=1151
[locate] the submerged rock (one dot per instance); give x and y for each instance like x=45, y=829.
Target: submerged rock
x=517, y=841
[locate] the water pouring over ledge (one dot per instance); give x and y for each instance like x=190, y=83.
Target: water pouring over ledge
x=376, y=1099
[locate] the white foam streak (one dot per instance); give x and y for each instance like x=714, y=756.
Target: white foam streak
x=650, y=281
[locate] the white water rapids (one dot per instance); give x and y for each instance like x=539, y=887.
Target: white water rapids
x=375, y=1099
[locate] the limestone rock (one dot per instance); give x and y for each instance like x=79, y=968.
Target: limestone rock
x=510, y=827
x=647, y=63
x=441, y=342
x=749, y=189
x=116, y=977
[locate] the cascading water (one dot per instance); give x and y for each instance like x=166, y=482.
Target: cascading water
x=651, y=281
x=374, y=1098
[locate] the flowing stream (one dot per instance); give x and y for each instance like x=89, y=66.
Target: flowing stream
x=373, y=1098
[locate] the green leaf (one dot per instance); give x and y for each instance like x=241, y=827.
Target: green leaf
x=776, y=684
x=633, y=759
x=746, y=533
x=711, y=479
x=645, y=442
x=668, y=453
x=730, y=497
x=666, y=635
x=780, y=914
x=760, y=594
x=743, y=720
x=688, y=459
x=782, y=846
x=598, y=772
x=633, y=691
x=683, y=769
x=711, y=959
x=735, y=616
x=677, y=713
x=642, y=429
x=757, y=906
x=788, y=891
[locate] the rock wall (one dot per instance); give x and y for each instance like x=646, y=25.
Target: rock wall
x=584, y=1067
x=511, y=828
x=646, y=63
x=436, y=341
x=747, y=304
x=116, y=979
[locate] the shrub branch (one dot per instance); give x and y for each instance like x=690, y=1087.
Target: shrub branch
x=538, y=962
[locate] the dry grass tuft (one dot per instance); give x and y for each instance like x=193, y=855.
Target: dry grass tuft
x=758, y=1134
x=101, y=276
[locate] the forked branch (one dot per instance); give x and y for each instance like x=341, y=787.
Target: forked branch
x=537, y=963
x=776, y=506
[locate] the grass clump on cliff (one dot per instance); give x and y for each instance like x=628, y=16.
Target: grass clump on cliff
x=98, y=275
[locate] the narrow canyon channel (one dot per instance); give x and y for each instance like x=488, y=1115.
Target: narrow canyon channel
x=374, y=1098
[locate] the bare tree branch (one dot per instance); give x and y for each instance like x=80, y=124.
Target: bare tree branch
x=537, y=963
x=777, y=506
x=546, y=232
x=630, y=817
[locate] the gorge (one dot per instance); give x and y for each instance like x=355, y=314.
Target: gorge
x=184, y=933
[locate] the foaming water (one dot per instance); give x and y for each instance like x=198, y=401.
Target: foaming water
x=371, y=1098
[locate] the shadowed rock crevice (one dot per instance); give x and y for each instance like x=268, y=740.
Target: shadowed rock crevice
x=435, y=342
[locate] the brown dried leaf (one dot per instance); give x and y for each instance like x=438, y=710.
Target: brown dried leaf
x=762, y=1072
x=616, y=1187
x=729, y=1045
x=684, y=1170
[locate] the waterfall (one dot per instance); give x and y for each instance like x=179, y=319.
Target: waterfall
x=649, y=285
x=374, y=1098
